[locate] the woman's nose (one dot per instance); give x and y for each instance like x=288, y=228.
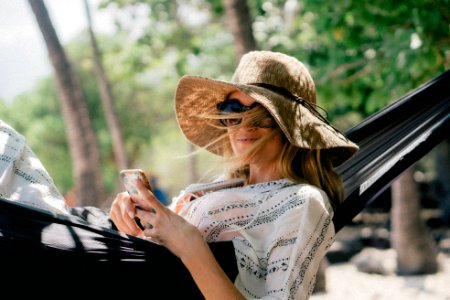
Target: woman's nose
x=249, y=127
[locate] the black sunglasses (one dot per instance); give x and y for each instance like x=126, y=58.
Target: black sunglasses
x=234, y=106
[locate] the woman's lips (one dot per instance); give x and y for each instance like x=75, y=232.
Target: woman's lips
x=247, y=139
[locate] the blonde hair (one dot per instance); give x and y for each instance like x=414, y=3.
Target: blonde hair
x=310, y=165
x=297, y=164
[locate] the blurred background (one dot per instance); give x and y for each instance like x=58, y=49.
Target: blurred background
x=90, y=84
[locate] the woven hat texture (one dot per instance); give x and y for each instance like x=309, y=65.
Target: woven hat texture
x=280, y=83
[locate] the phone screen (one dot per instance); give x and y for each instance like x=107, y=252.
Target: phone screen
x=129, y=178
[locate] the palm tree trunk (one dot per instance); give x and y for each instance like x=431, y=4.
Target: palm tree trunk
x=442, y=163
x=416, y=253
x=240, y=23
x=107, y=99
x=82, y=141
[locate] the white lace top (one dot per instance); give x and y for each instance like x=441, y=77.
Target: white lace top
x=280, y=231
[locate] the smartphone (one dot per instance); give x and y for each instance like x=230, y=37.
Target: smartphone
x=129, y=178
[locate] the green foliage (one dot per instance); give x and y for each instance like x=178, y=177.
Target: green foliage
x=362, y=56
x=36, y=115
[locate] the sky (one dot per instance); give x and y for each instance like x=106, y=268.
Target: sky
x=23, y=55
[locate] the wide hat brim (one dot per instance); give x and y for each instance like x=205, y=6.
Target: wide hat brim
x=196, y=96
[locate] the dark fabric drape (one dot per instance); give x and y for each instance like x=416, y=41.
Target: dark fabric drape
x=50, y=256
x=390, y=141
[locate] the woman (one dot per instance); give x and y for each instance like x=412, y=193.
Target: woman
x=265, y=125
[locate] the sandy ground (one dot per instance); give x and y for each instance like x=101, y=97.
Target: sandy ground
x=345, y=282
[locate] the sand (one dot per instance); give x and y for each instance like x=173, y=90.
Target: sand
x=345, y=282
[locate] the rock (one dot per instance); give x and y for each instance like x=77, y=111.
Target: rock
x=375, y=261
x=342, y=251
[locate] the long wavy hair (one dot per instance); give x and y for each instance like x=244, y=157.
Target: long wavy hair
x=299, y=165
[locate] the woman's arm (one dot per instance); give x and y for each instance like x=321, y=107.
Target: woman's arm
x=209, y=276
x=185, y=241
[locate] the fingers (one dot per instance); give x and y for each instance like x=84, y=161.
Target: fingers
x=149, y=200
x=163, y=226
x=147, y=218
x=150, y=222
x=123, y=214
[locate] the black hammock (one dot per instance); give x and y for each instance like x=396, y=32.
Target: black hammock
x=43, y=254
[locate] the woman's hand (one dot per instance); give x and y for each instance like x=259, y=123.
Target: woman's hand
x=165, y=227
x=123, y=213
x=183, y=239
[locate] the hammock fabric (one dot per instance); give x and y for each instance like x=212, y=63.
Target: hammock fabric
x=42, y=254
x=392, y=140
x=54, y=255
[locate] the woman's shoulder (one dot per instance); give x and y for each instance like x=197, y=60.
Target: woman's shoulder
x=310, y=194
x=309, y=189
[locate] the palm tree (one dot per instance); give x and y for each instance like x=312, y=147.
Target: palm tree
x=107, y=98
x=416, y=253
x=84, y=150
x=442, y=165
x=240, y=23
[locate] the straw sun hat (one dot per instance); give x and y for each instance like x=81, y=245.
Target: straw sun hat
x=281, y=84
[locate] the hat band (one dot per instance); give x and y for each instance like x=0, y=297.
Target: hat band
x=312, y=107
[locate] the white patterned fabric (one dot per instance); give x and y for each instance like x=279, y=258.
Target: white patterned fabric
x=23, y=178
x=280, y=231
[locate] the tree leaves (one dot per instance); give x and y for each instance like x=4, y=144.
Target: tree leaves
x=362, y=56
